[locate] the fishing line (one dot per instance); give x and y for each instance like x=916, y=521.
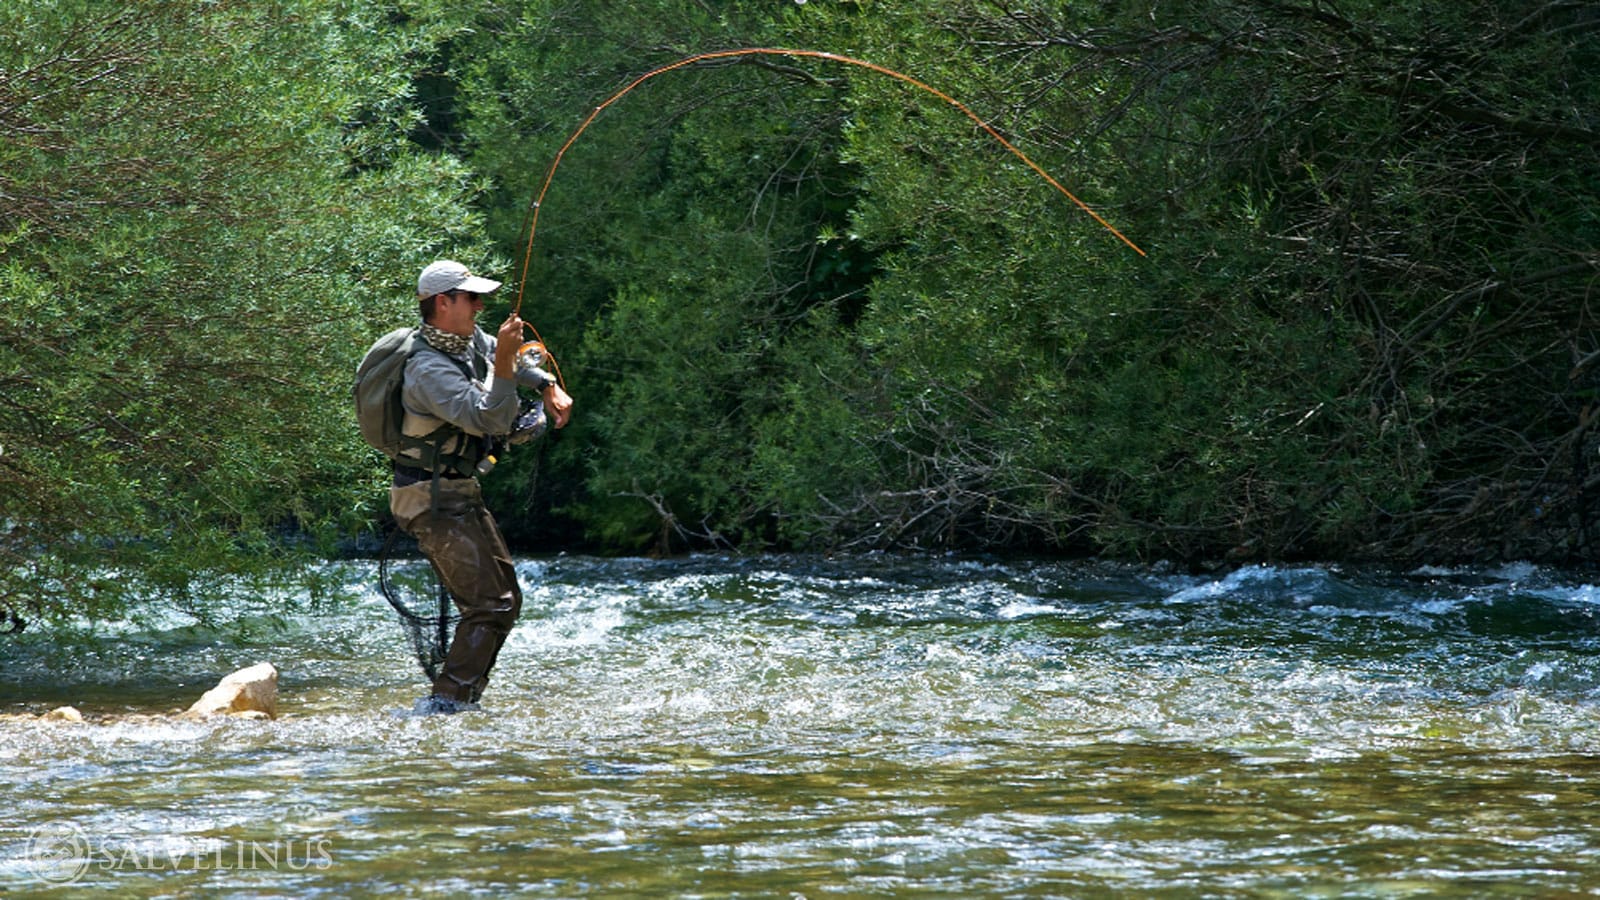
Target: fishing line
x=537, y=204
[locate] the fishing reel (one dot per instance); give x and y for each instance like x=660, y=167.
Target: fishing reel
x=531, y=355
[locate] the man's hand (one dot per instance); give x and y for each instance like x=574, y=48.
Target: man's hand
x=507, y=342
x=557, y=404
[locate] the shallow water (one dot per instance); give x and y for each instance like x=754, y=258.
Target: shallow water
x=784, y=726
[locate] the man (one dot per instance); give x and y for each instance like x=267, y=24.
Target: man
x=455, y=399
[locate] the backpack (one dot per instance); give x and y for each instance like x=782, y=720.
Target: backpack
x=377, y=391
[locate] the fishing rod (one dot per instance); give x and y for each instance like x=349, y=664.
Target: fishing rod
x=532, y=217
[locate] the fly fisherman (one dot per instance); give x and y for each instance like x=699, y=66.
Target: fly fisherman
x=461, y=398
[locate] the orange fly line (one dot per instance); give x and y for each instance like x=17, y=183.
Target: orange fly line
x=538, y=201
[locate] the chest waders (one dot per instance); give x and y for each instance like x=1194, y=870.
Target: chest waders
x=418, y=593
x=468, y=553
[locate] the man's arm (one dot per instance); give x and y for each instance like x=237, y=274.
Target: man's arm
x=556, y=400
x=505, y=348
x=558, y=405
x=437, y=387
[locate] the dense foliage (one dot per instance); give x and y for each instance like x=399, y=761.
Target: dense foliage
x=203, y=208
x=811, y=306
x=801, y=304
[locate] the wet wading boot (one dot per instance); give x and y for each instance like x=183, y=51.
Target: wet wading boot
x=435, y=705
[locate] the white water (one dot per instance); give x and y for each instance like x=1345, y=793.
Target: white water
x=774, y=726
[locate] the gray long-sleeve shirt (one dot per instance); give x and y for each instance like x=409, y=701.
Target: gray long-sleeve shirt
x=437, y=390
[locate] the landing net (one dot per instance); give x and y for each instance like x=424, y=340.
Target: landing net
x=412, y=586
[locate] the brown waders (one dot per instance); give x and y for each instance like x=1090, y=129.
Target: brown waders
x=459, y=536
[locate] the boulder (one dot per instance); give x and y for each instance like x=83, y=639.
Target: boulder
x=63, y=714
x=249, y=693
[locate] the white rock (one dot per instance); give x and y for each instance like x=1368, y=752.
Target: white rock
x=252, y=690
x=63, y=714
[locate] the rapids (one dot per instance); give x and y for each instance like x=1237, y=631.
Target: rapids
x=799, y=726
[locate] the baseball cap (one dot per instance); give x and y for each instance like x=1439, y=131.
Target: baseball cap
x=447, y=275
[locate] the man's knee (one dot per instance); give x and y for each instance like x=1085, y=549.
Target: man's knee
x=499, y=613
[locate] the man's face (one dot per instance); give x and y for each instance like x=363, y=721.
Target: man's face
x=457, y=311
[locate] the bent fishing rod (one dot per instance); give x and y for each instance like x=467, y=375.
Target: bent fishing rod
x=537, y=203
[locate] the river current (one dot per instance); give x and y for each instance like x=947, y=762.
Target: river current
x=804, y=727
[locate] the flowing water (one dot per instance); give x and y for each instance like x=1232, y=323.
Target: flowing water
x=790, y=726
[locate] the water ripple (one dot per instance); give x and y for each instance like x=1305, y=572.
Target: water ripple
x=778, y=725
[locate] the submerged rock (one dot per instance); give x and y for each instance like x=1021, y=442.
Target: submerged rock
x=63, y=714
x=68, y=714
x=247, y=693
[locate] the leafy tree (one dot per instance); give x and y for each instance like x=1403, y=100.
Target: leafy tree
x=206, y=213
x=680, y=249
x=1372, y=217
x=1362, y=328
x=801, y=304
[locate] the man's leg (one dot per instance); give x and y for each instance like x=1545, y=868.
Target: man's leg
x=466, y=547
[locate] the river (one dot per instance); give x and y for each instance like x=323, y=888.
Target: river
x=804, y=727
